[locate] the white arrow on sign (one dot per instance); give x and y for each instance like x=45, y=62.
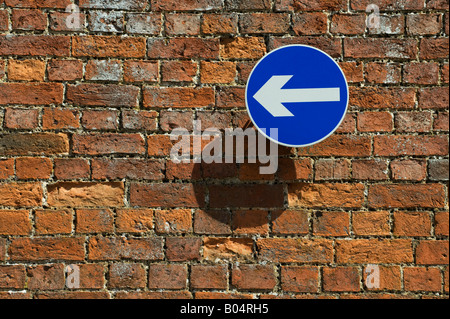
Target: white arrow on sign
x=271, y=95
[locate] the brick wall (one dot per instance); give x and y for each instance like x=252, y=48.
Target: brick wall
x=86, y=178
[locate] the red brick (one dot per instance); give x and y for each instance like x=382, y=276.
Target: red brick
x=69, y=295
x=376, y=169
x=90, y=221
x=250, y=222
x=230, y=97
x=46, y=249
x=441, y=122
x=15, y=222
x=12, y=277
x=182, y=24
x=382, y=97
x=59, y=4
x=295, y=169
x=46, y=277
x=34, y=144
x=248, y=277
x=60, y=118
x=159, y=145
x=220, y=23
x=422, y=279
x=108, y=144
x=432, y=252
x=421, y=73
x=57, y=22
x=178, y=97
x=156, y=295
x=353, y=71
x=424, y=24
x=257, y=23
x=242, y=48
x=127, y=276
x=118, y=248
x=434, y=98
x=34, y=45
x=326, y=195
x=186, y=5
x=383, y=73
x=108, y=47
x=21, y=194
x=411, y=170
x=246, y=196
x=177, y=221
x=178, y=71
x=332, y=169
x=331, y=224
x=374, y=251
x=141, y=71
x=295, y=5
x=28, y=20
x=183, y=248
x=379, y=48
x=85, y=194
x=21, y=118
x=290, y=222
x=183, y=48
x=434, y=48
x=4, y=20
x=406, y=196
x=52, y=222
x=371, y=223
x=103, y=70
x=91, y=276
x=134, y=220
x=144, y=23
x=26, y=70
x=33, y=168
x=412, y=224
x=341, y=279
x=166, y=195
x=212, y=222
x=218, y=72
x=103, y=95
x=71, y=168
x=388, y=5
x=2, y=249
x=375, y=122
x=100, y=120
x=209, y=277
x=65, y=70
x=300, y=279
x=294, y=250
x=390, y=278
x=31, y=94
x=162, y=276
x=340, y=145
x=332, y=46
x=348, y=24
x=441, y=224
x=229, y=249
x=127, y=168
x=410, y=145
x=6, y=168
x=413, y=122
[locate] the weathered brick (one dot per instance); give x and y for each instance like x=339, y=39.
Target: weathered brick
x=383, y=73
x=331, y=224
x=90, y=221
x=6, y=168
x=178, y=71
x=12, y=277
x=182, y=24
x=209, y=277
x=326, y=195
x=108, y=144
x=186, y=5
x=341, y=279
x=371, y=223
x=413, y=122
x=438, y=169
x=60, y=118
x=103, y=70
x=118, y=248
x=106, y=21
x=65, y=70
x=212, y=222
x=365, y=48
x=103, y=95
x=375, y=122
x=134, y=220
x=108, y=47
x=126, y=276
x=300, y=279
x=422, y=279
x=348, y=24
x=28, y=20
x=257, y=23
x=34, y=144
x=26, y=70
x=246, y=196
x=183, y=248
x=177, y=221
x=290, y=222
x=34, y=45
x=228, y=249
x=46, y=277
x=398, y=145
x=382, y=97
x=432, y=252
x=71, y=168
x=141, y=71
x=87, y=194
x=127, y=168
x=292, y=250
x=218, y=72
x=424, y=24
x=163, y=276
x=34, y=168
x=15, y=222
x=412, y=224
x=100, y=120
x=183, y=48
x=167, y=97
x=52, y=222
x=21, y=118
x=339, y=145
x=406, y=196
x=220, y=23
x=115, y=5
x=166, y=195
x=296, y=5
x=31, y=94
x=46, y=249
x=21, y=194
x=248, y=277
x=415, y=170
x=242, y=48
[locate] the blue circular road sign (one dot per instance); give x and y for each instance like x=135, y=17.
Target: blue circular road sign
x=301, y=92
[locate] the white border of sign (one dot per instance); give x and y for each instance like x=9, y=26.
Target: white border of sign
x=263, y=133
